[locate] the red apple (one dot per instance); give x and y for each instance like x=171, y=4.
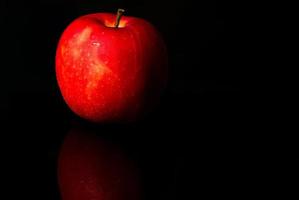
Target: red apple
x=91, y=168
x=111, y=68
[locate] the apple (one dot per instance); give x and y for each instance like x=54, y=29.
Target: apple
x=111, y=67
x=92, y=168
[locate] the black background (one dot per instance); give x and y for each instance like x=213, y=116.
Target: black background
x=209, y=137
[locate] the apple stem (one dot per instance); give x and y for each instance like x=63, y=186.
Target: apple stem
x=118, y=16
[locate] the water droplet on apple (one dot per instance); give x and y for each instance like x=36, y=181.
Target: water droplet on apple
x=96, y=44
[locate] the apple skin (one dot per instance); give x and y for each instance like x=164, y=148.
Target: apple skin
x=92, y=168
x=111, y=74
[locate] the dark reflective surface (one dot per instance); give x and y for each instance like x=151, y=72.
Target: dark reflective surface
x=190, y=146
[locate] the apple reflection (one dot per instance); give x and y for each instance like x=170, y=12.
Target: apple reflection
x=92, y=167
